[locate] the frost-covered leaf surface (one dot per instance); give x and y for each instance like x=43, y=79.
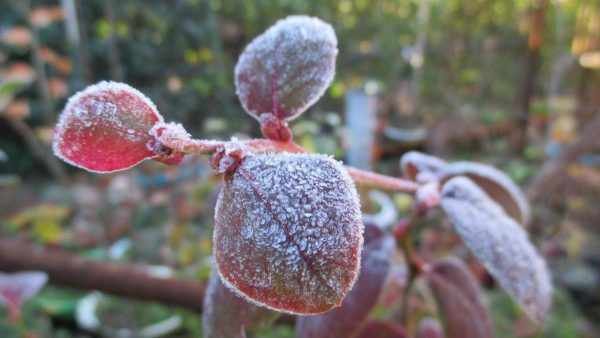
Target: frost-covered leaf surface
x=380, y=329
x=459, y=300
x=286, y=69
x=227, y=315
x=16, y=288
x=288, y=232
x=421, y=167
x=105, y=128
x=496, y=184
x=500, y=243
x=346, y=320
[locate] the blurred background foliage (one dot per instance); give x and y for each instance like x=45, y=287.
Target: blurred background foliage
x=508, y=82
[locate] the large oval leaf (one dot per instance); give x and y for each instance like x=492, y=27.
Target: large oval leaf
x=500, y=244
x=459, y=299
x=345, y=321
x=287, y=68
x=227, y=315
x=288, y=232
x=105, y=128
x=496, y=184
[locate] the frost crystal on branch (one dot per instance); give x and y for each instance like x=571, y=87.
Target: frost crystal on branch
x=288, y=232
x=105, y=128
x=286, y=69
x=500, y=244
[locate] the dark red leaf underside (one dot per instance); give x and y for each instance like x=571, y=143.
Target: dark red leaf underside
x=460, y=300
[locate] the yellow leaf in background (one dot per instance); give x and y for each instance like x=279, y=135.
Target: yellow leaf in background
x=47, y=231
x=38, y=213
x=17, y=36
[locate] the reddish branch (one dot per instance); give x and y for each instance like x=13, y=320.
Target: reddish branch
x=361, y=177
x=126, y=280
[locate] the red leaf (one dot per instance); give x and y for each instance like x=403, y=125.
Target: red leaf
x=459, y=299
x=379, y=329
x=105, y=128
x=288, y=232
x=227, y=315
x=346, y=320
x=286, y=69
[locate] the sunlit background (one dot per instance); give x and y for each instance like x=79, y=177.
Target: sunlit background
x=512, y=83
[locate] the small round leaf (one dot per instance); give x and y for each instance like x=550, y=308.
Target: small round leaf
x=286, y=69
x=105, y=128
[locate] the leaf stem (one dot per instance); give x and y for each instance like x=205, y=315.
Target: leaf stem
x=261, y=145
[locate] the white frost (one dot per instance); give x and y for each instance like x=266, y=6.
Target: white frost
x=500, y=244
x=288, y=228
x=290, y=64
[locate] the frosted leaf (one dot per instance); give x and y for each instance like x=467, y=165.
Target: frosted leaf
x=17, y=288
x=421, y=167
x=429, y=328
x=346, y=320
x=227, y=315
x=380, y=329
x=500, y=244
x=496, y=184
x=459, y=300
x=286, y=69
x=288, y=232
x=105, y=128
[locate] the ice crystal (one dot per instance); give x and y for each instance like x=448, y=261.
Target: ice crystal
x=288, y=232
x=346, y=320
x=105, y=128
x=286, y=69
x=459, y=299
x=496, y=184
x=500, y=244
x=227, y=315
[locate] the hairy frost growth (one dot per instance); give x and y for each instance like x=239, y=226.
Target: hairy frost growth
x=288, y=232
x=286, y=69
x=459, y=300
x=496, y=184
x=421, y=167
x=346, y=320
x=500, y=244
x=227, y=315
x=105, y=128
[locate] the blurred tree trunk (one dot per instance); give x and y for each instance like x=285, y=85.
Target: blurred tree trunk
x=74, y=37
x=533, y=61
